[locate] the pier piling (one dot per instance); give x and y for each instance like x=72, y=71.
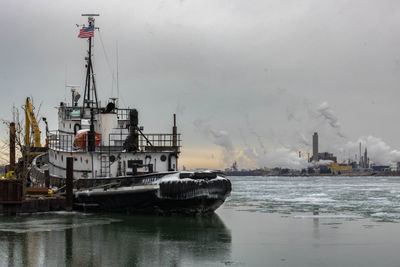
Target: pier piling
x=12, y=146
x=69, y=184
x=47, y=179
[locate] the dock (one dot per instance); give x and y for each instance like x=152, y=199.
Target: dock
x=12, y=201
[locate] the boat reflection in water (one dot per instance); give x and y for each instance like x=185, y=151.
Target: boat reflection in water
x=94, y=240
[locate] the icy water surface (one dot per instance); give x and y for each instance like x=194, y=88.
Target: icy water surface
x=375, y=197
x=267, y=221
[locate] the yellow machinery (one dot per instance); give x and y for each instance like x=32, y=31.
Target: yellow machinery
x=31, y=124
x=337, y=168
x=10, y=175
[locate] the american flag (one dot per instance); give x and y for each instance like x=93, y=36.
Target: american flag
x=86, y=32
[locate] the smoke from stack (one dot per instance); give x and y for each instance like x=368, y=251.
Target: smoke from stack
x=271, y=143
x=378, y=151
x=327, y=113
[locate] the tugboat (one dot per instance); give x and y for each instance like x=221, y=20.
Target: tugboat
x=118, y=167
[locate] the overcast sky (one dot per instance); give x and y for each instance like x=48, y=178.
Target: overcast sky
x=249, y=80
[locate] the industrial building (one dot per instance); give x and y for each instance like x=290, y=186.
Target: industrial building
x=337, y=168
x=317, y=156
x=364, y=160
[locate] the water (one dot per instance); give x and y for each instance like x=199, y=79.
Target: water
x=268, y=221
x=376, y=197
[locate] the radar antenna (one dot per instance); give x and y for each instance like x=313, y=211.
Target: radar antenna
x=75, y=94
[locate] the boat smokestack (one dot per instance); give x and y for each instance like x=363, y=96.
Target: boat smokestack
x=12, y=146
x=175, y=134
x=134, y=120
x=132, y=141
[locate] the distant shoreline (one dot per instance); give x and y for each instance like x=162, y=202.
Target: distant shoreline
x=353, y=174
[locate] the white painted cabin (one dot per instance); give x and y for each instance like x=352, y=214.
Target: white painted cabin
x=154, y=152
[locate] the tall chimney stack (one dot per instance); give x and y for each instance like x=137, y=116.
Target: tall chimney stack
x=315, y=147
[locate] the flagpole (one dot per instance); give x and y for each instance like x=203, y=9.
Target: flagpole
x=89, y=71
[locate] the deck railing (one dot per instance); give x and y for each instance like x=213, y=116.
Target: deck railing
x=69, y=113
x=147, y=142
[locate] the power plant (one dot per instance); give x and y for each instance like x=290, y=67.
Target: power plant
x=338, y=168
x=317, y=156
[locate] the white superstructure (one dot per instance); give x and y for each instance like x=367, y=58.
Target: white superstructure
x=115, y=153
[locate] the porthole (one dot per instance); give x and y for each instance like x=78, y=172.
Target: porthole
x=163, y=158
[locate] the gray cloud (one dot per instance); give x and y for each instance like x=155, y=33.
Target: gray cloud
x=209, y=59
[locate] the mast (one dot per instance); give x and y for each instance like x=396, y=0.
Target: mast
x=90, y=83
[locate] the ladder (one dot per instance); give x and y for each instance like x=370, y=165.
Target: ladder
x=104, y=165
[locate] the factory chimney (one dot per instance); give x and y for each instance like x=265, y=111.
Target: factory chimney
x=315, y=147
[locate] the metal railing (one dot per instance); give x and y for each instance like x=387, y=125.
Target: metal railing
x=159, y=141
x=69, y=112
x=146, y=142
x=61, y=142
x=123, y=114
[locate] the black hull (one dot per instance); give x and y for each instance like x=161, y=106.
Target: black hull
x=187, y=196
x=146, y=202
x=187, y=193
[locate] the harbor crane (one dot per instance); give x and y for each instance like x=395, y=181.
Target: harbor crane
x=31, y=125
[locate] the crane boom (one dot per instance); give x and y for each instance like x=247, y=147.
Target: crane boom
x=30, y=122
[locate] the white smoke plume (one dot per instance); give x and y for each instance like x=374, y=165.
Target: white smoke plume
x=379, y=152
x=326, y=112
x=321, y=163
x=281, y=157
x=278, y=144
x=218, y=137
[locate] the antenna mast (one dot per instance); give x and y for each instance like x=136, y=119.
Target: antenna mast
x=89, y=72
x=117, y=77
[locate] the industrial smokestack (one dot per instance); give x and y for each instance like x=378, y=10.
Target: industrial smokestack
x=315, y=147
